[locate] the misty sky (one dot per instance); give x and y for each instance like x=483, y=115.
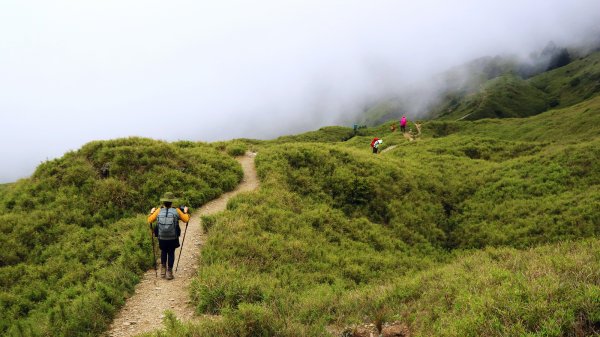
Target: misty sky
x=72, y=71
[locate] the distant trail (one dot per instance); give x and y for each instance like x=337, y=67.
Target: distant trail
x=143, y=311
x=463, y=117
x=406, y=135
x=410, y=136
x=389, y=148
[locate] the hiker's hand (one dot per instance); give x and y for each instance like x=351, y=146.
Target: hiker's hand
x=185, y=209
x=152, y=210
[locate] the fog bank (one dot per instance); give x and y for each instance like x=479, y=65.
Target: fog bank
x=76, y=71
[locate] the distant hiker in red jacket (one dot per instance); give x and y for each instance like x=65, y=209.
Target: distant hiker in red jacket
x=167, y=230
x=375, y=144
x=403, y=124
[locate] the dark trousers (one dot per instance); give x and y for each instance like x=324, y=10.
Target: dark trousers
x=167, y=255
x=403, y=128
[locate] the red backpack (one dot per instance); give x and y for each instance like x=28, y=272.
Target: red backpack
x=373, y=141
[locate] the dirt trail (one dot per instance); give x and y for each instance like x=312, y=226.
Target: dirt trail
x=144, y=310
x=389, y=148
x=408, y=135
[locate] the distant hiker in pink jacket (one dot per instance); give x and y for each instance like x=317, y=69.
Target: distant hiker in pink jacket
x=403, y=124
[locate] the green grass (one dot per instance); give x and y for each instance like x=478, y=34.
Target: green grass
x=236, y=147
x=503, y=97
x=510, y=96
x=577, y=123
x=478, y=228
x=325, y=134
x=552, y=290
x=5, y=187
x=337, y=236
x=383, y=112
x=573, y=83
x=74, y=244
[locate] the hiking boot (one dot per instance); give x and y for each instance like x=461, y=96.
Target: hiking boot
x=169, y=274
x=163, y=271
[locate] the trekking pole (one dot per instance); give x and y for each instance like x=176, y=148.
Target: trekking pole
x=153, y=251
x=181, y=249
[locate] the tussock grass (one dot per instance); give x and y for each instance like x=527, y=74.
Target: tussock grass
x=552, y=290
x=478, y=228
x=73, y=244
x=337, y=236
x=511, y=96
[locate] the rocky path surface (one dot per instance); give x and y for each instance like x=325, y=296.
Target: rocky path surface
x=144, y=310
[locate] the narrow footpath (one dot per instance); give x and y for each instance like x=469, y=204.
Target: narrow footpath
x=410, y=137
x=144, y=310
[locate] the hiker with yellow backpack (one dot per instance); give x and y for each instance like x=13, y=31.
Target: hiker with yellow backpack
x=167, y=230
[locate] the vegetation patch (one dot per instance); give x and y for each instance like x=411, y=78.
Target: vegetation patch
x=73, y=242
x=483, y=227
x=337, y=237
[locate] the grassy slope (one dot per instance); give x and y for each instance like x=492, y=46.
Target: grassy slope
x=573, y=124
x=502, y=97
x=325, y=134
x=510, y=96
x=381, y=112
x=460, y=81
x=337, y=235
x=551, y=290
x=573, y=83
x=73, y=244
x=5, y=187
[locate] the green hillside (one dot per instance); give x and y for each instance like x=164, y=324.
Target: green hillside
x=461, y=82
x=573, y=83
x=482, y=226
x=511, y=96
x=325, y=134
x=551, y=290
x=74, y=244
x=4, y=188
x=502, y=97
x=337, y=236
x=574, y=124
x=382, y=112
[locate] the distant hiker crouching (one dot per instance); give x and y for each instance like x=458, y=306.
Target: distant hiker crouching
x=375, y=144
x=167, y=230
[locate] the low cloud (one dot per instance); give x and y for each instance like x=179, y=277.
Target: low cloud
x=73, y=71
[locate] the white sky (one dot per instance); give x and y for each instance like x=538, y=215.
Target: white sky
x=72, y=71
